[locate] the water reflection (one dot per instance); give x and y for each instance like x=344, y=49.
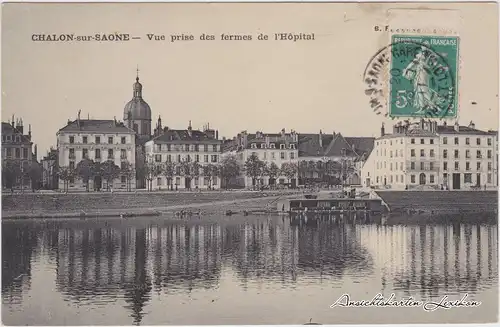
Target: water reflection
x=97, y=263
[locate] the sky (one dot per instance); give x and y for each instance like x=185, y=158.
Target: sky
x=253, y=85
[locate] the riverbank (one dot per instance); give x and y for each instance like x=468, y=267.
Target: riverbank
x=31, y=206
x=440, y=202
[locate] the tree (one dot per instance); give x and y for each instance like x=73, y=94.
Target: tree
x=289, y=170
x=151, y=171
x=109, y=172
x=253, y=168
x=33, y=171
x=85, y=170
x=128, y=170
x=66, y=174
x=209, y=172
x=229, y=168
x=11, y=171
x=169, y=172
x=273, y=172
x=303, y=170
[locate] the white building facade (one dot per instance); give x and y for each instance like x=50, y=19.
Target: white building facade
x=424, y=156
x=98, y=141
x=186, y=159
x=272, y=149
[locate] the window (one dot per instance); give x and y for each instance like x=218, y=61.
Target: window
x=431, y=179
x=478, y=166
x=391, y=179
x=467, y=154
x=489, y=166
x=282, y=146
x=110, y=140
x=431, y=165
x=390, y=154
x=272, y=146
x=188, y=158
x=397, y=178
x=478, y=154
x=292, y=146
x=467, y=165
x=456, y=140
x=478, y=141
x=85, y=153
x=273, y=156
x=214, y=180
x=123, y=165
x=265, y=155
x=110, y=154
x=253, y=146
x=282, y=155
x=468, y=178
x=390, y=167
x=489, y=154
x=196, y=148
x=457, y=154
x=18, y=153
x=71, y=139
x=412, y=179
x=422, y=152
x=401, y=166
x=197, y=158
x=489, y=141
x=158, y=181
x=124, y=179
x=179, y=158
x=400, y=153
x=84, y=139
x=214, y=158
x=422, y=165
x=402, y=179
x=431, y=153
x=123, y=140
x=169, y=147
x=431, y=141
x=467, y=141
x=157, y=157
x=292, y=155
x=457, y=166
x=412, y=152
x=262, y=146
x=25, y=153
x=395, y=153
x=412, y=141
x=71, y=165
x=196, y=181
x=98, y=153
x=214, y=148
x=489, y=178
x=412, y=165
x=97, y=140
x=123, y=154
x=205, y=158
x=445, y=140
x=177, y=180
x=169, y=158
x=445, y=166
x=72, y=153
x=205, y=148
x=422, y=141
x=9, y=152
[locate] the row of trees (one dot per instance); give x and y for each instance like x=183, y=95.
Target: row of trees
x=330, y=172
x=227, y=169
x=17, y=172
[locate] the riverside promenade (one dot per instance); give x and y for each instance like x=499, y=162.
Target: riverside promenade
x=92, y=204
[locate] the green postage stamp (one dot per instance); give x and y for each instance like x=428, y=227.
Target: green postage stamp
x=423, y=76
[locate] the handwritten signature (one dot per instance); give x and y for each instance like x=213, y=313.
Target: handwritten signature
x=382, y=302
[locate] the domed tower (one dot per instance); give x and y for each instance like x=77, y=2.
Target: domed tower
x=137, y=113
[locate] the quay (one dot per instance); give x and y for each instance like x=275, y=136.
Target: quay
x=316, y=205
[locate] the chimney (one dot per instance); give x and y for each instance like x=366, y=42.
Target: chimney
x=457, y=127
x=190, y=129
x=78, y=119
x=20, y=126
x=320, y=139
x=382, y=130
x=422, y=124
x=13, y=124
x=217, y=134
x=472, y=125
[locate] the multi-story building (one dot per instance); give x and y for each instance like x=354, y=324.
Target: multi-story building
x=17, y=150
x=187, y=158
x=425, y=155
x=99, y=141
x=50, y=162
x=277, y=148
x=349, y=152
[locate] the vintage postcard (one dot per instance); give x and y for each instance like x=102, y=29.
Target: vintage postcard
x=249, y=163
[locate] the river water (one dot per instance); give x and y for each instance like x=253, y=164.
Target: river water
x=242, y=270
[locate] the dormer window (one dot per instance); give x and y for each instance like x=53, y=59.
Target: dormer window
x=282, y=146
x=262, y=146
x=272, y=146
x=253, y=145
x=292, y=146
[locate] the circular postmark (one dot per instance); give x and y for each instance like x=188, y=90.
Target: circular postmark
x=414, y=78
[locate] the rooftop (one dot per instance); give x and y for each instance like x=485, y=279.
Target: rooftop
x=96, y=126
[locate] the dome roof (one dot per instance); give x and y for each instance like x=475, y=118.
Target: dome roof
x=137, y=108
